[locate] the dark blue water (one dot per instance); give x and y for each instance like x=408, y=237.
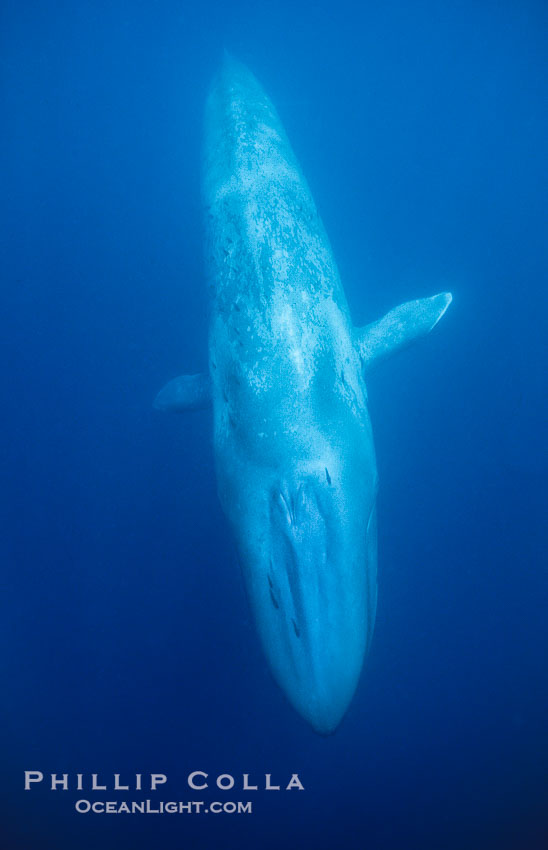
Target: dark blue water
x=126, y=642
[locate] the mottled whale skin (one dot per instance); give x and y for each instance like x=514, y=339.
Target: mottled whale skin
x=293, y=443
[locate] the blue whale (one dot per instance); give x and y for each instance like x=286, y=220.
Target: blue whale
x=293, y=443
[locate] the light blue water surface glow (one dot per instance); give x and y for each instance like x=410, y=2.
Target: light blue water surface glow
x=127, y=641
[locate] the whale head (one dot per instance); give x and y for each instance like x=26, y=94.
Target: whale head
x=307, y=546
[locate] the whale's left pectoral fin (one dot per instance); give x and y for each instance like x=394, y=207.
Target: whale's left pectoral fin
x=400, y=327
x=187, y=392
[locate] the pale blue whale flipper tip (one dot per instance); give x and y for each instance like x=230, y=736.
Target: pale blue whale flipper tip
x=294, y=450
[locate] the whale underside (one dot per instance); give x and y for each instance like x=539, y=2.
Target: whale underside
x=294, y=451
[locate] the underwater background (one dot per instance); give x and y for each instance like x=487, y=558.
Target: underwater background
x=126, y=642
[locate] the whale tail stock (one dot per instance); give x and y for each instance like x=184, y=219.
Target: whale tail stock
x=375, y=342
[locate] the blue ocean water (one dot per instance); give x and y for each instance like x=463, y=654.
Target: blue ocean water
x=127, y=643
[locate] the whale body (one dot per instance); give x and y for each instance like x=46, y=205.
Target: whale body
x=295, y=459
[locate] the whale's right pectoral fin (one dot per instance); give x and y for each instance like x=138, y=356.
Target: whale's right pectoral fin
x=400, y=327
x=187, y=392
